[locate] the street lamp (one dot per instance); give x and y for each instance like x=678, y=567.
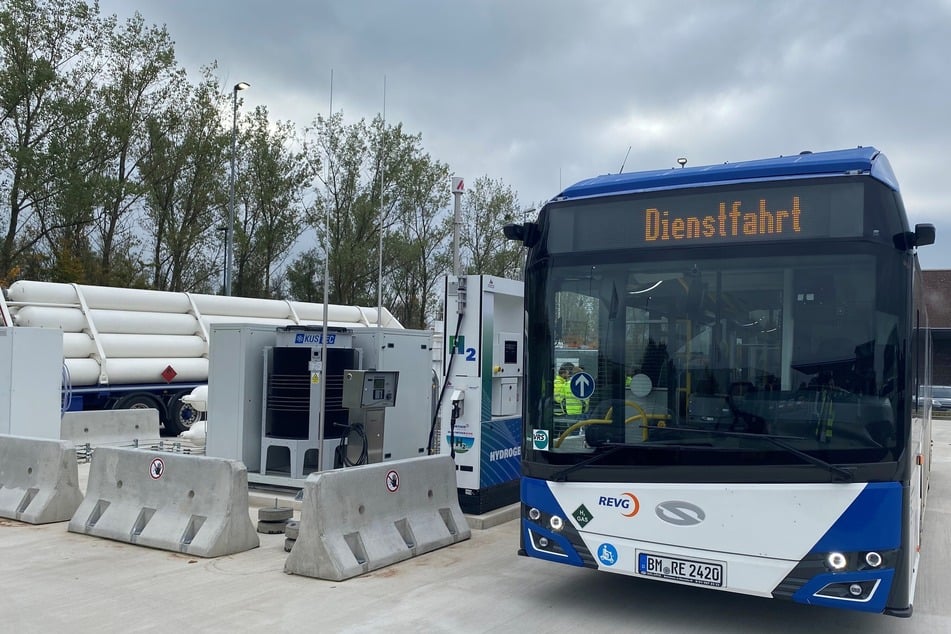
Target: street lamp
x=229, y=239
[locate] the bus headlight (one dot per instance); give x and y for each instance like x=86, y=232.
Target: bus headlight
x=873, y=559
x=556, y=523
x=534, y=514
x=836, y=561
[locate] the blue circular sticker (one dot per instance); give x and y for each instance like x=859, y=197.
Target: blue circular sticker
x=607, y=554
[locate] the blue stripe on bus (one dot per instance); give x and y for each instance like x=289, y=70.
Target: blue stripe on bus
x=872, y=521
x=535, y=493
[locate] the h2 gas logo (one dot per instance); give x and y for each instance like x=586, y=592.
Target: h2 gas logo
x=627, y=503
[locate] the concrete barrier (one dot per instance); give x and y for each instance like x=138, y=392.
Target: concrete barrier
x=110, y=427
x=182, y=503
x=39, y=480
x=363, y=518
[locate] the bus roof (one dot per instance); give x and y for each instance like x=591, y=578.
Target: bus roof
x=861, y=160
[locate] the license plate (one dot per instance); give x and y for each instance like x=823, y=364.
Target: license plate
x=704, y=573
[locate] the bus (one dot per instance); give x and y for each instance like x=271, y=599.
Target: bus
x=759, y=333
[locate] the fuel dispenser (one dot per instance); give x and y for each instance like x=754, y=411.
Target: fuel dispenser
x=480, y=414
x=366, y=394
x=265, y=406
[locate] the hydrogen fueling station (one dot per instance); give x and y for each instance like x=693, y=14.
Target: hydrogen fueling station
x=481, y=410
x=387, y=442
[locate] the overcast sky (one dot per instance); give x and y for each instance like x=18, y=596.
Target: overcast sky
x=543, y=93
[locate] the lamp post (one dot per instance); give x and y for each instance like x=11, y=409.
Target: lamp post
x=229, y=239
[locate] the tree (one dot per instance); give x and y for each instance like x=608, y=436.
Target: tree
x=184, y=176
x=350, y=210
x=140, y=77
x=304, y=278
x=272, y=187
x=48, y=51
x=342, y=214
x=65, y=205
x=419, y=244
x=486, y=208
x=114, y=170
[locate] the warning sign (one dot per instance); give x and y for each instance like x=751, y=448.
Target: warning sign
x=392, y=481
x=157, y=468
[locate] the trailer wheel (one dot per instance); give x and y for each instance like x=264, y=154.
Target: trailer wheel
x=140, y=400
x=181, y=415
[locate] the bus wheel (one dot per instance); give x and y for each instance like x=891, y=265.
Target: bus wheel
x=140, y=400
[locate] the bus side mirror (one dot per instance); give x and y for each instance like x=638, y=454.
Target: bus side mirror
x=514, y=232
x=924, y=234
x=526, y=233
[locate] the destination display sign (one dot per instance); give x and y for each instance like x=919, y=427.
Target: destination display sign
x=732, y=223
x=717, y=216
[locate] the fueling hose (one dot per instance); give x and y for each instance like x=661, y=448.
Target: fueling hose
x=358, y=429
x=442, y=392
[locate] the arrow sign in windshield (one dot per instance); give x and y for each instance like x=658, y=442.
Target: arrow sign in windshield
x=582, y=385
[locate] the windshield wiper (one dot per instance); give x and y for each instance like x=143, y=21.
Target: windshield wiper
x=562, y=475
x=610, y=448
x=842, y=474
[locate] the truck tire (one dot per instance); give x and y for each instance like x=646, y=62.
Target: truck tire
x=180, y=415
x=142, y=400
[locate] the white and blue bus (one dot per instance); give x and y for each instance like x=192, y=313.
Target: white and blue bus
x=748, y=425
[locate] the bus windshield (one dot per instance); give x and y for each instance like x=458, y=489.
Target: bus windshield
x=704, y=355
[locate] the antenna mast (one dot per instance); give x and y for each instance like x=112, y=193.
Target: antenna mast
x=624, y=162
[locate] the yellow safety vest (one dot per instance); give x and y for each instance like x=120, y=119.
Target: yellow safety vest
x=570, y=404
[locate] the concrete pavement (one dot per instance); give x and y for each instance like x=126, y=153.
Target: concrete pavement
x=55, y=581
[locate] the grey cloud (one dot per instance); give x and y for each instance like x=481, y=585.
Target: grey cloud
x=541, y=93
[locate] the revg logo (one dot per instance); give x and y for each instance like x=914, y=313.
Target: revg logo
x=627, y=503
